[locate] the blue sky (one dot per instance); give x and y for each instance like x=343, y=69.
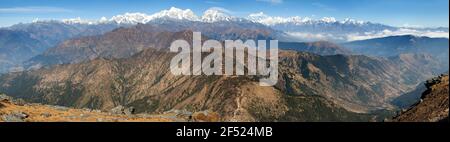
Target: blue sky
x=425, y=13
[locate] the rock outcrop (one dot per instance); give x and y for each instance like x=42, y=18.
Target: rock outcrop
x=433, y=105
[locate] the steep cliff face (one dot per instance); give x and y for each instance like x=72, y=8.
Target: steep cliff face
x=433, y=105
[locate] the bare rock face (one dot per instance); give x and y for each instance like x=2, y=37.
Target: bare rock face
x=15, y=117
x=433, y=105
x=4, y=97
x=123, y=110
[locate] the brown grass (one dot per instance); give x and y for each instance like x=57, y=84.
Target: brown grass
x=42, y=113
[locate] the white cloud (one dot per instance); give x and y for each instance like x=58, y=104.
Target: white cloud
x=304, y=36
x=401, y=31
x=407, y=25
x=33, y=9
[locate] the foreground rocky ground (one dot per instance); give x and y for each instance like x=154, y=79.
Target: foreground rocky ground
x=433, y=105
x=19, y=111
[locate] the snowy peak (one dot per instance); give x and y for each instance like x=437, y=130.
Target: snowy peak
x=172, y=13
x=265, y=19
x=176, y=13
x=130, y=18
x=77, y=20
x=262, y=18
x=217, y=14
x=353, y=21
x=214, y=15
x=328, y=20
x=257, y=16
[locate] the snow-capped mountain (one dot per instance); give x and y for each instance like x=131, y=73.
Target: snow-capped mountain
x=306, y=24
x=209, y=16
x=331, y=29
x=176, y=13
x=213, y=15
x=135, y=18
x=262, y=18
x=215, y=23
x=296, y=28
x=270, y=21
x=78, y=20
x=130, y=18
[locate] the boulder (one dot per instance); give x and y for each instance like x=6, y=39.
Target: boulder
x=122, y=110
x=15, y=117
x=4, y=97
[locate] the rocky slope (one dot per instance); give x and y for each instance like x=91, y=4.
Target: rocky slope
x=319, y=47
x=143, y=81
x=125, y=42
x=433, y=105
x=410, y=98
x=358, y=83
x=21, y=42
x=17, y=46
x=12, y=110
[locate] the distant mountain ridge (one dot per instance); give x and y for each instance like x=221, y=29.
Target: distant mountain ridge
x=144, y=82
x=319, y=47
x=128, y=66
x=356, y=83
x=21, y=42
x=211, y=15
x=296, y=28
x=329, y=70
x=125, y=42
x=17, y=46
x=437, y=48
x=48, y=34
